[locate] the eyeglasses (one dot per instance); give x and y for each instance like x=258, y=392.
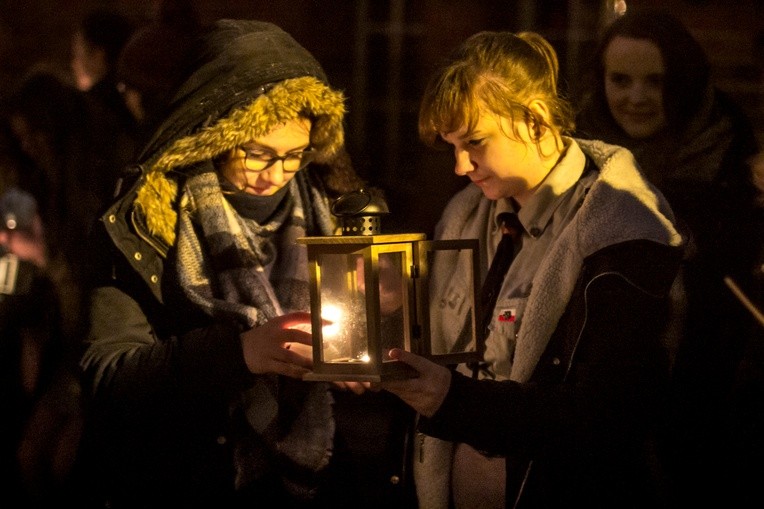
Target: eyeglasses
x=261, y=160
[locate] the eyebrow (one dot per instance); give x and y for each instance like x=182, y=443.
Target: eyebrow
x=266, y=148
x=471, y=134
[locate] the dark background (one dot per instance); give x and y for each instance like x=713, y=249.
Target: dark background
x=380, y=52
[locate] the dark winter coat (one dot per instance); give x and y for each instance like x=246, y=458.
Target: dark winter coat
x=581, y=406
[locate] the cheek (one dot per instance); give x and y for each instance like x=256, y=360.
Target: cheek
x=507, y=160
x=231, y=171
x=655, y=95
x=285, y=178
x=614, y=94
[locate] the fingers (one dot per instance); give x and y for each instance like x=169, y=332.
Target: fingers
x=424, y=393
x=285, y=362
x=302, y=349
x=355, y=387
x=420, y=364
x=288, y=369
x=270, y=347
x=295, y=336
x=293, y=357
x=291, y=320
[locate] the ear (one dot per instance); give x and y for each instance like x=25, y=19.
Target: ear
x=540, y=109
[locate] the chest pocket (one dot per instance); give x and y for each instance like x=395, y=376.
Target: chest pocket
x=502, y=336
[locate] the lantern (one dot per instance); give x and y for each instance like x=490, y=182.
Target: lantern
x=369, y=293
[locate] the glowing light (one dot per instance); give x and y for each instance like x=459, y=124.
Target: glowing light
x=333, y=314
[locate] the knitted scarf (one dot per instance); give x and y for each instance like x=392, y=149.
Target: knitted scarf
x=231, y=266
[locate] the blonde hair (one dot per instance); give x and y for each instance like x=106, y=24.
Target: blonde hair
x=500, y=72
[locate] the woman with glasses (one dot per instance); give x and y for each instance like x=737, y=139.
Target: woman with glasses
x=197, y=341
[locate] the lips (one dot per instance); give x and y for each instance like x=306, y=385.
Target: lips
x=639, y=117
x=258, y=191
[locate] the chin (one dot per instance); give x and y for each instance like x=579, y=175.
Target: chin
x=639, y=131
x=493, y=194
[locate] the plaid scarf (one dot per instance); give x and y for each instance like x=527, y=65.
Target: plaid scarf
x=232, y=266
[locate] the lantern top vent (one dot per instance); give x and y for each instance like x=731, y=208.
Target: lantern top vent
x=360, y=212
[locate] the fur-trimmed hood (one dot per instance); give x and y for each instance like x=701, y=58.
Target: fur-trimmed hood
x=248, y=77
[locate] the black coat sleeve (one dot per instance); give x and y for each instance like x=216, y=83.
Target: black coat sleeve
x=605, y=393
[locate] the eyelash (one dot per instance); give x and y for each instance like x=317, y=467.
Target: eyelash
x=620, y=80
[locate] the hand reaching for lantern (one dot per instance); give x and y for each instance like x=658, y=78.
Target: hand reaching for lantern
x=307, y=351
x=424, y=393
x=283, y=346
x=278, y=346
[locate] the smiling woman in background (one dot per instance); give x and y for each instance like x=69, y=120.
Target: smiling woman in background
x=650, y=90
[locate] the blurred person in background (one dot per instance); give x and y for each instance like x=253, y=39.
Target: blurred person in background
x=39, y=390
x=650, y=90
x=66, y=166
x=151, y=65
x=96, y=46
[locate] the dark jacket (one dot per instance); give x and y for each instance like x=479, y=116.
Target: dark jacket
x=588, y=365
x=184, y=368
x=583, y=426
x=162, y=374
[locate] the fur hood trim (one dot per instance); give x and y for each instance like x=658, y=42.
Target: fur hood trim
x=284, y=101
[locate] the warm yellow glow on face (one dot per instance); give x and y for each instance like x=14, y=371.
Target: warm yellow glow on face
x=500, y=156
x=289, y=137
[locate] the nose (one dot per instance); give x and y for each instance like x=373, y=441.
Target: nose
x=463, y=164
x=637, y=92
x=275, y=174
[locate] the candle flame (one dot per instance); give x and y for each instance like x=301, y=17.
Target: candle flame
x=333, y=314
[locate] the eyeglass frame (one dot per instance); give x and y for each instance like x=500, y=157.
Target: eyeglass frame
x=274, y=158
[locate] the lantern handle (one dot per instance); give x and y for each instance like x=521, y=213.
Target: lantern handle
x=359, y=203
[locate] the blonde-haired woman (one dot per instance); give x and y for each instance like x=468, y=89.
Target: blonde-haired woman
x=563, y=409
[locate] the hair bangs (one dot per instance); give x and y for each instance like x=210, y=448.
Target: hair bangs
x=449, y=104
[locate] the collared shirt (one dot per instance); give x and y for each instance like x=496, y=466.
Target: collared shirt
x=544, y=217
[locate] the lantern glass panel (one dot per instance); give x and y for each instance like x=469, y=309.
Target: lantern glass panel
x=467, y=336
x=392, y=303
x=463, y=345
x=343, y=304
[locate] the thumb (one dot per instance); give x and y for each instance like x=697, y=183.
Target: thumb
x=412, y=359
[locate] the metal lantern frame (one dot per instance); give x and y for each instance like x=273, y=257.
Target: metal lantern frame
x=414, y=251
